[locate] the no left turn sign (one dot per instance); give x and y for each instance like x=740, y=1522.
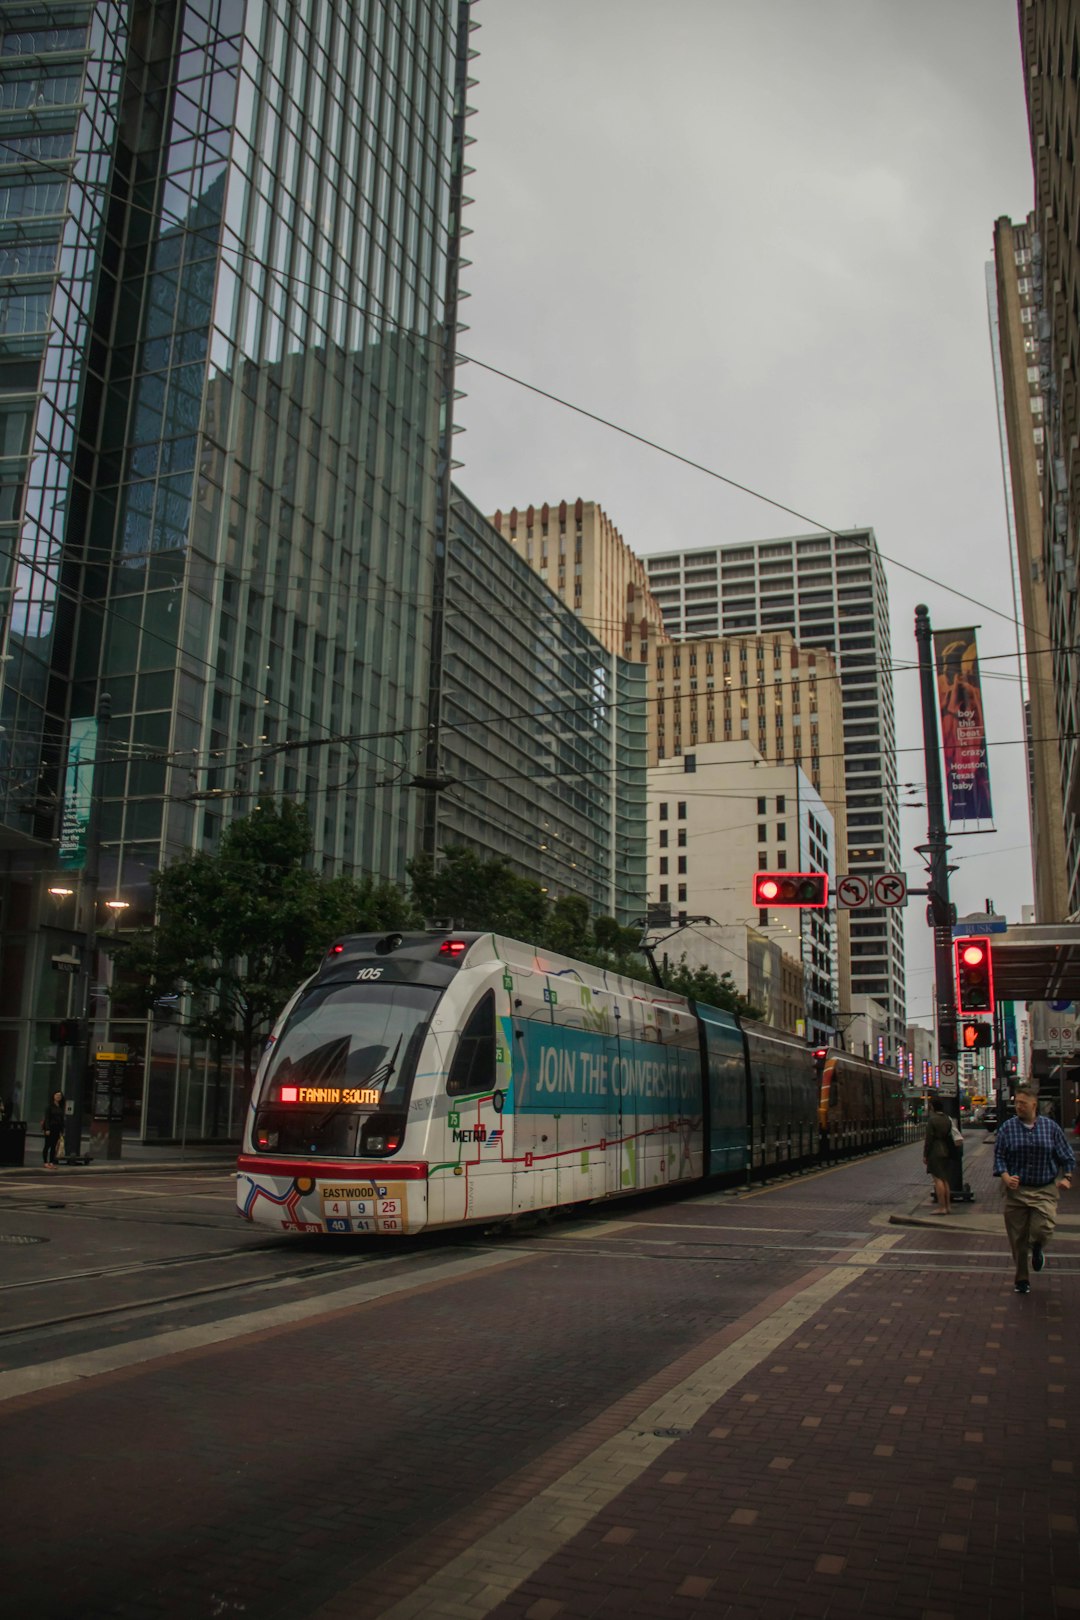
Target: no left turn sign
x=852, y=891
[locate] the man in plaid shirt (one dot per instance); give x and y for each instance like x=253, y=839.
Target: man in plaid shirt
x=1034, y=1160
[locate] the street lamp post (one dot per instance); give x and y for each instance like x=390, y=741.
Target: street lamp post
x=88, y=901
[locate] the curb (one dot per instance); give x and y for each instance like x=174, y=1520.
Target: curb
x=125, y=1166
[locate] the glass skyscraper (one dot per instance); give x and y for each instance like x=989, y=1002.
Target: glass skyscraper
x=228, y=283
x=544, y=730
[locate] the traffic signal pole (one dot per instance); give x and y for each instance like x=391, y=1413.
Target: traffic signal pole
x=936, y=848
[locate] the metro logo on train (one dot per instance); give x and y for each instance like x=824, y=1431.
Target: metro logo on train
x=434, y=1079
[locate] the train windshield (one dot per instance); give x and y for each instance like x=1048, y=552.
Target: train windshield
x=339, y=1079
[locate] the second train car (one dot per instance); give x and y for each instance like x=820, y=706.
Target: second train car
x=426, y=1080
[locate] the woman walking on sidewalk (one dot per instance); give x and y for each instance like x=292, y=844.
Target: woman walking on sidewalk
x=1034, y=1160
x=938, y=1153
x=52, y=1125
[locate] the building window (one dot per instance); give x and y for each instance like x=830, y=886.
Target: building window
x=682, y=810
x=663, y=838
x=682, y=891
x=761, y=807
x=663, y=812
x=681, y=838
x=664, y=893
x=663, y=865
x=682, y=864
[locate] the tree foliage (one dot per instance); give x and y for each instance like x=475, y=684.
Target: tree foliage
x=241, y=928
x=474, y=893
x=701, y=984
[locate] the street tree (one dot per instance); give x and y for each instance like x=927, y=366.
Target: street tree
x=702, y=984
x=240, y=929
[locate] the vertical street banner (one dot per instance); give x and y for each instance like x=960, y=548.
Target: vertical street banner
x=78, y=791
x=963, y=725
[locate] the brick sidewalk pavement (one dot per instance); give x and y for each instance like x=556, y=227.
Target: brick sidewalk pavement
x=908, y=1455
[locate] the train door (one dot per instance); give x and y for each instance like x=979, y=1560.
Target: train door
x=477, y=1185
x=725, y=1092
x=561, y=1091
x=532, y=1021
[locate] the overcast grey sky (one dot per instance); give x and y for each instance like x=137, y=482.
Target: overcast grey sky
x=757, y=234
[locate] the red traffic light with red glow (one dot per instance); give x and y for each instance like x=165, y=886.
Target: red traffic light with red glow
x=791, y=889
x=974, y=976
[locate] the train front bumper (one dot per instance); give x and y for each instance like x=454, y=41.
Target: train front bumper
x=295, y=1195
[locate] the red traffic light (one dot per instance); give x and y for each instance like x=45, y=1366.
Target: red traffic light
x=974, y=976
x=791, y=889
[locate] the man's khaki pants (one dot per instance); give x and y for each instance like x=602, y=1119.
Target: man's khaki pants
x=1030, y=1217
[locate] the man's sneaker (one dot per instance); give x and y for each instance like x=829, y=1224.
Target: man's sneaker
x=1038, y=1259
x=1022, y=1288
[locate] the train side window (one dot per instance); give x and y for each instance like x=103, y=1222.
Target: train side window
x=473, y=1068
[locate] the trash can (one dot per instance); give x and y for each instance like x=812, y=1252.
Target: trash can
x=12, y=1141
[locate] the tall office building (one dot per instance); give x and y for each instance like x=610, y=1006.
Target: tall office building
x=1050, y=41
x=543, y=731
x=228, y=282
x=1021, y=370
x=580, y=554
x=829, y=592
x=784, y=701
x=716, y=816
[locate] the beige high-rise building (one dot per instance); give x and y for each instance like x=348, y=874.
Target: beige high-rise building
x=1050, y=41
x=785, y=700
x=576, y=548
x=718, y=814
x=1014, y=327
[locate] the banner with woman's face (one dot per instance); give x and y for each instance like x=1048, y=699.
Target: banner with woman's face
x=963, y=726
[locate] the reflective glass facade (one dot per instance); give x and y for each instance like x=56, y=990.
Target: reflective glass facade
x=228, y=282
x=543, y=730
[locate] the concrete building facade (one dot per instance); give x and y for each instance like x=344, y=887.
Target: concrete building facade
x=707, y=831
x=1050, y=43
x=1020, y=376
x=829, y=592
x=580, y=554
x=760, y=970
x=768, y=691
